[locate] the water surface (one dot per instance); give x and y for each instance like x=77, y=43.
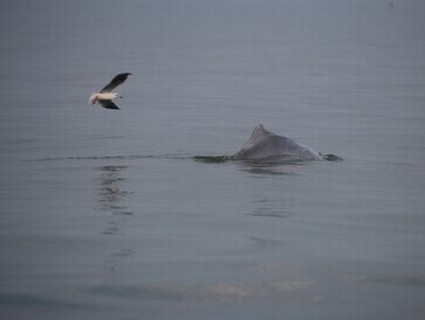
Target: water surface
x=106, y=215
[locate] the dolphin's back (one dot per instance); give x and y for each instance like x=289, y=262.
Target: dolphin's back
x=264, y=144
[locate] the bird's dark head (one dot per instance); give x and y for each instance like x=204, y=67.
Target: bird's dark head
x=93, y=98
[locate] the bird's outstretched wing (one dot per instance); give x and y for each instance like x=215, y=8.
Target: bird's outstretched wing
x=115, y=82
x=108, y=104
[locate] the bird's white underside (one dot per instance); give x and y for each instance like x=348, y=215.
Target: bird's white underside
x=102, y=96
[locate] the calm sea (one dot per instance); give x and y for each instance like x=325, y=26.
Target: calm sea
x=105, y=215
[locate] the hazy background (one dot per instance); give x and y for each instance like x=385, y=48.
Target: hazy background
x=104, y=214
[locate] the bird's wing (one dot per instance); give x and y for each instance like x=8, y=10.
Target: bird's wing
x=108, y=104
x=115, y=82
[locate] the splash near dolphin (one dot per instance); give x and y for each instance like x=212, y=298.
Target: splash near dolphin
x=265, y=145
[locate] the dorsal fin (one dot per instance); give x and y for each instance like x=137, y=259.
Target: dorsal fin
x=259, y=132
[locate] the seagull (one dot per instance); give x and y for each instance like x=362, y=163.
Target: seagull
x=105, y=96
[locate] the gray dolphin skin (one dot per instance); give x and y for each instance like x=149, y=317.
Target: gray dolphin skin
x=269, y=148
x=263, y=144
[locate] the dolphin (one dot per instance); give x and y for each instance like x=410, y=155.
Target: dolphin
x=263, y=144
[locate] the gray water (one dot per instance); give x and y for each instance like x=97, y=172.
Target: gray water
x=105, y=215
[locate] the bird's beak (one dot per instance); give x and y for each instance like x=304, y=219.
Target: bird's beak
x=121, y=97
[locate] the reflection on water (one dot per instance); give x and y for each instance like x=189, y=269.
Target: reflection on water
x=112, y=196
x=273, y=166
x=264, y=171
x=291, y=290
x=272, y=208
x=111, y=193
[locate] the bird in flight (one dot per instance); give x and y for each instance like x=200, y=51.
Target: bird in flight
x=105, y=96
